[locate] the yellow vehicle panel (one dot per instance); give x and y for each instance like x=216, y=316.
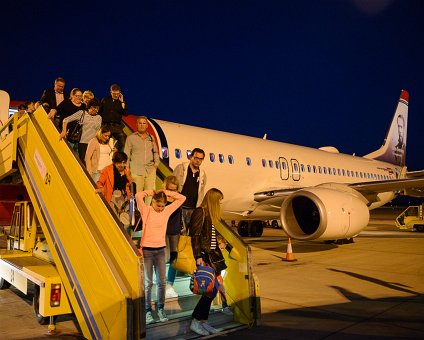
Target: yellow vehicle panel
x=99, y=265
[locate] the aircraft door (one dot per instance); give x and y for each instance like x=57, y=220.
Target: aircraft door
x=295, y=169
x=284, y=168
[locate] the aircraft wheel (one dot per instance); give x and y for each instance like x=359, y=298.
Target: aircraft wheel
x=274, y=224
x=243, y=228
x=36, y=306
x=419, y=228
x=256, y=228
x=4, y=284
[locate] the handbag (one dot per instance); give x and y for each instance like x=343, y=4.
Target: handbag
x=217, y=260
x=185, y=261
x=204, y=282
x=75, y=131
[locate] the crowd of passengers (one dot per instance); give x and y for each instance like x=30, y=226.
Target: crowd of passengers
x=115, y=161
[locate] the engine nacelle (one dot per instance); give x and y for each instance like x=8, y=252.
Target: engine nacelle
x=324, y=213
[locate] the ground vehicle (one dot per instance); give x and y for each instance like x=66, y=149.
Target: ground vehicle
x=28, y=259
x=411, y=218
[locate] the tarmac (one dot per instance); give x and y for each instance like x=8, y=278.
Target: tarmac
x=372, y=288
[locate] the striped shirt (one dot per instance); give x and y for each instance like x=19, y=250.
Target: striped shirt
x=90, y=124
x=214, y=241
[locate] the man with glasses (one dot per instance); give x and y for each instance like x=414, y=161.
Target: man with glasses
x=112, y=109
x=192, y=182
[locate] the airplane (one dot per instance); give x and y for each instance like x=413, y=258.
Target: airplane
x=318, y=194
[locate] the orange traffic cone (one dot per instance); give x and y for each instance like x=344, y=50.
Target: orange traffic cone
x=289, y=254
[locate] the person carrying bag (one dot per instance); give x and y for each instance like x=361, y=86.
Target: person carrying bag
x=204, y=241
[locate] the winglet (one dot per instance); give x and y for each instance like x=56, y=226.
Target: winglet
x=404, y=95
x=394, y=147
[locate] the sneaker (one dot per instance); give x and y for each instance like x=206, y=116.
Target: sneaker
x=162, y=315
x=209, y=328
x=171, y=293
x=227, y=311
x=197, y=328
x=149, y=318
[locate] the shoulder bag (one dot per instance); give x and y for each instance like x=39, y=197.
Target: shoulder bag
x=185, y=261
x=75, y=131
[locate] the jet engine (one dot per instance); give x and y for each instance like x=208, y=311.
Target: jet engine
x=325, y=213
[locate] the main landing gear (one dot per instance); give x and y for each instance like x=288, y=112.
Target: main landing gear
x=250, y=228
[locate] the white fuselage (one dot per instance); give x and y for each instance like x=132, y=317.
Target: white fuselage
x=241, y=166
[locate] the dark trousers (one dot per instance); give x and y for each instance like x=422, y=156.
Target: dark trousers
x=82, y=150
x=201, y=311
x=117, y=132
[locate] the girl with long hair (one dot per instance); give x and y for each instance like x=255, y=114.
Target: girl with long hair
x=205, y=240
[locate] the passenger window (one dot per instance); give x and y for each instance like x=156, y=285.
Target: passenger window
x=343, y=171
x=221, y=158
x=212, y=157
x=319, y=170
x=177, y=153
x=338, y=172
x=277, y=165
x=271, y=164
x=264, y=163
x=315, y=169
x=165, y=152
x=295, y=168
x=284, y=166
x=248, y=161
x=188, y=153
x=309, y=168
x=230, y=159
x=334, y=171
x=348, y=173
x=325, y=170
x=302, y=168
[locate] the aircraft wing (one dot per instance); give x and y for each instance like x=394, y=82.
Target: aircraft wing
x=409, y=186
x=415, y=174
x=274, y=195
x=389, y=185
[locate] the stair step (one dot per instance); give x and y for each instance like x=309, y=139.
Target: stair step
x=178, y=327
x=179, y=310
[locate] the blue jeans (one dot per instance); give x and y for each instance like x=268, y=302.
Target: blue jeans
x=154, y=258
x=173, y=252
x=96, y=176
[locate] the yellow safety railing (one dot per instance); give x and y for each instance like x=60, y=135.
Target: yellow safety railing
x=100, y=267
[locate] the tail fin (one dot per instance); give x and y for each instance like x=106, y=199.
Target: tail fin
x=394, y=148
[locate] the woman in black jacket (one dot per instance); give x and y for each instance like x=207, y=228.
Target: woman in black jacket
x=204, y=238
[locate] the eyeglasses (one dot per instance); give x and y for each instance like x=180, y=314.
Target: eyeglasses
x=199, y=159
x=117, y=93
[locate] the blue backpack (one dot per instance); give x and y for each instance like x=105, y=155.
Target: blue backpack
x=204, y=282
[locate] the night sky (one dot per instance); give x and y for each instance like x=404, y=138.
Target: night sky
x=313, y=73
